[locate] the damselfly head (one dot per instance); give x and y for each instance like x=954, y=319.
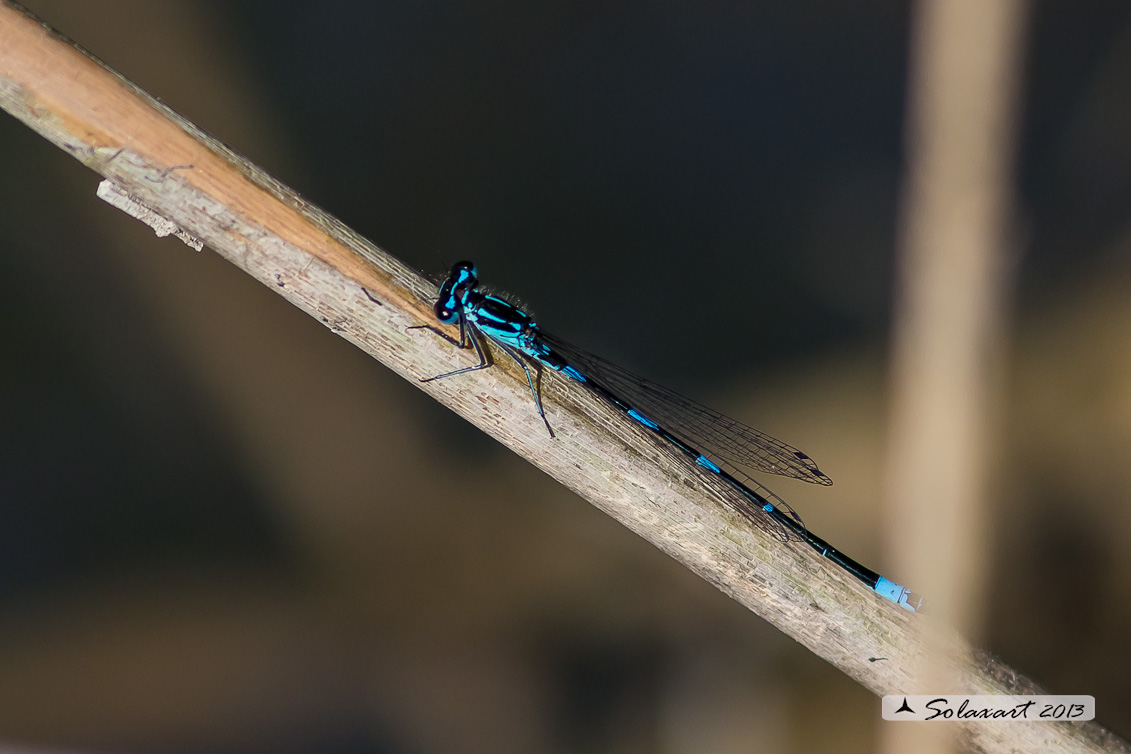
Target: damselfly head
x=444, y=314
x=461, y=281
x=464, y=273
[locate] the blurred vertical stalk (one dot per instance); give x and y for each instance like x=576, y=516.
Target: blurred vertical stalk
x=951, y=294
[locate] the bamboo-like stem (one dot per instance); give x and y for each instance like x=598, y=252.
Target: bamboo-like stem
x=167, y=167
x=949, y=317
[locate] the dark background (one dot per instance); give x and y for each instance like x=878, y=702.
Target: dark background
x=222, y=529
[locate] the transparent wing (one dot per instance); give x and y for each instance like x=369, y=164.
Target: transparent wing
x=705, y=429
x=784, y=525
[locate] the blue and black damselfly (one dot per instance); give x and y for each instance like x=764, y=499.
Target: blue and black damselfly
x=721, y=446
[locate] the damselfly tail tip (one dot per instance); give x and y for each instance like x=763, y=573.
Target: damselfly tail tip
x=900, y=595
x=912, y=601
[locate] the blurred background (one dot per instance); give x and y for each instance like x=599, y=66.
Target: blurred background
x=223, y=529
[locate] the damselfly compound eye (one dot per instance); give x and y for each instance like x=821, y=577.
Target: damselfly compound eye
x=444, y=314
